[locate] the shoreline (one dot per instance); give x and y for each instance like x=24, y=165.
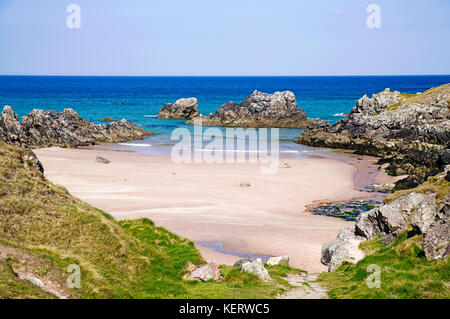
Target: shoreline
x=240, y=223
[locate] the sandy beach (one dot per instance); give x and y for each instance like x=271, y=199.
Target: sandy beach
x=206, y=203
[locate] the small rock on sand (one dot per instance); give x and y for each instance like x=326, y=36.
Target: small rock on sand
x=102, y=160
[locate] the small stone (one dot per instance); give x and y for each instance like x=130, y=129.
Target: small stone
x=205, y=272
x=254, y=266
x=280, y=260
x=244, y=184
x=102, y=160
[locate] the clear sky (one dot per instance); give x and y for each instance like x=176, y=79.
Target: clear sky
x=224, y=37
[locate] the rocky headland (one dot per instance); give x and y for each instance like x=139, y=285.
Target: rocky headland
x=410, y=131
x=186, y=108
x=42, y=128
x=260, y=110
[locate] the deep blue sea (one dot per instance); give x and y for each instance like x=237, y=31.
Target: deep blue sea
x=138, y=99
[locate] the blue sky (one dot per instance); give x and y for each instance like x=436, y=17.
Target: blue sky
x=212, y=37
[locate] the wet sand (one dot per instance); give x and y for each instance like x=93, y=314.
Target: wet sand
x=205, y=202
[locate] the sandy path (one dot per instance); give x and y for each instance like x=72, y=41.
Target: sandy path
x=205, y=203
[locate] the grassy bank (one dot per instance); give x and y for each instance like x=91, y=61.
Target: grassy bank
x=405, y=273
x=44, y=230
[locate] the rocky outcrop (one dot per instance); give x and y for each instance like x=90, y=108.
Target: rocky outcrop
x=436, y=243
x=344, y=248
x=260, y=110
x=428, y=215
x=205, y=272
x=254, y=266
x=413, y=130
x=417, y=209
x=42, y=128
x=186, y=108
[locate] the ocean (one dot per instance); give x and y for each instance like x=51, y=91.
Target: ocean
x=139, y=99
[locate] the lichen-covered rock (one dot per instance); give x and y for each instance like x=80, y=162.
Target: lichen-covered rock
x=205, y=272
x=280, y=261
x=344, y=248
x=42, y=128
x=254, y=266
x=394, y=217
x=260, y=110
x=186, y=108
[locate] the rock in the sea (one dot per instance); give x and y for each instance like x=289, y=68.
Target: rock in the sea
x=106, y=119
x=102, y=160
x=254, y=266
x=260, y=110
x=42, y=128
x=280, y=260
x=344, y=248
x=205, y=272
x=414, y=126
x=186, y=108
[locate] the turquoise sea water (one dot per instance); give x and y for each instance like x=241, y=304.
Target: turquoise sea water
x=139, y=99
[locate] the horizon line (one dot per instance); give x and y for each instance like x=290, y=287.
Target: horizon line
x=225, y=75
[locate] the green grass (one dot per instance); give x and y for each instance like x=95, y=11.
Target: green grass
x=405, y=273
x=47, y=229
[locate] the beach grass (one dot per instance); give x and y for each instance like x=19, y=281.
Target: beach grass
x=45, y=230
x=405, y=273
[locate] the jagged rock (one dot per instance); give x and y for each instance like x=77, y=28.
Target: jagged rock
x=280, y=260
x=417, y=127
x=102, y=160
x=205, y=272
x=244, y=184
x=436, y=243
x=260, y=110
x=186, y=108
x=390, y=218
x=407, y=183
x=42, y=128
x=254, y=266
x=344, y=248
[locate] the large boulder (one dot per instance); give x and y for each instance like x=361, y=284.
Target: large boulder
x=260, y=110
x=254, y=266
x=42, y=128
x=186, y=108
x=344, y=248
x=394, y=217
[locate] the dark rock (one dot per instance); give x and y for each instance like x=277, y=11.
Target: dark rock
x=260, y=110
x=407, y=183
x=106, y=119
x=186, y=108
x=42, y=128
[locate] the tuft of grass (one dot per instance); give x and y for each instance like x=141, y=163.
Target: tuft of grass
x=405, y=273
